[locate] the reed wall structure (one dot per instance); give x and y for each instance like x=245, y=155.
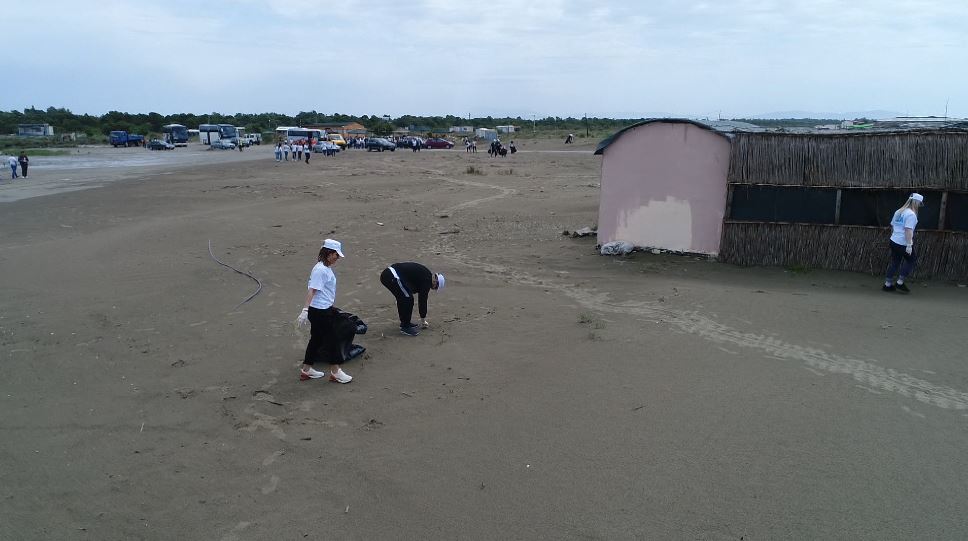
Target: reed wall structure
x=840, y=191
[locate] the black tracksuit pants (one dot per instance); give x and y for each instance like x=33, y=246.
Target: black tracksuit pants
x=404, y=297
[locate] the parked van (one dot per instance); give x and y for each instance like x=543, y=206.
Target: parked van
x=337, y=140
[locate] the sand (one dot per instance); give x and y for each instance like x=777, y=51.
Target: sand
x=559, y=394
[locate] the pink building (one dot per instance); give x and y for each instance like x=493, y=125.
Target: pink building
x=664, y=186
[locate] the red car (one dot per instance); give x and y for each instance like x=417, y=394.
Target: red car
x=437, y=142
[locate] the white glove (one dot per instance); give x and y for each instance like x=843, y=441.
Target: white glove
x=424, y=323
x=909, y=249
x=303, y=318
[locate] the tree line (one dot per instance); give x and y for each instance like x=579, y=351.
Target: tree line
x=97, y=127
x=64, y=121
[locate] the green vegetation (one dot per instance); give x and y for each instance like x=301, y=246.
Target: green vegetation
x=9, y=143
x=90, y=129
x=47, y=152
x=94, y=128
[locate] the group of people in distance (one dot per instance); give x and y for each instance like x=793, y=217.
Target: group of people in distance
x=23, y=161
x=298, y=148
x=403, y=280
x=498, y=149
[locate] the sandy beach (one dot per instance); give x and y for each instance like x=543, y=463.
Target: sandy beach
x=558, y=394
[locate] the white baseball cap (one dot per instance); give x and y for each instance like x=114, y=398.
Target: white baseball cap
x=440, y=281
x=334, y=245
x=917, y=197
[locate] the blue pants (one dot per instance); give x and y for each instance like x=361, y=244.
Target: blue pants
x=13, y=172
x=899, y=254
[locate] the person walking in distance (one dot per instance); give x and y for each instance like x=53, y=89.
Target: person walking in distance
x=285, y=149
x=309, y=150
x=12, y=162
x=24, y=162
x=322, y=316
x=903, y=256
x=278, y=152
x=404, y=280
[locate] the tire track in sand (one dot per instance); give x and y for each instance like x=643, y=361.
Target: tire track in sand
x=866, y=372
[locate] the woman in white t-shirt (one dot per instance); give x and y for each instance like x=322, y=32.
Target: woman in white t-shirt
x=323, y=316
x=903, y=222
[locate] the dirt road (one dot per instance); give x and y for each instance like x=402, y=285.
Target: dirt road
x=558, y=395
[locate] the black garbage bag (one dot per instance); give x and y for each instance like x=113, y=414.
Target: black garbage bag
x=360, y=325
x=344, y=330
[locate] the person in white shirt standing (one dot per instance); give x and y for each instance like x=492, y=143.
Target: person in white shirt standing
x=322, y=317
x=903, y=256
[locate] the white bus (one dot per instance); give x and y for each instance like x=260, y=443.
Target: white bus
x=176, y=134
x=289, y=134
x=210, y=133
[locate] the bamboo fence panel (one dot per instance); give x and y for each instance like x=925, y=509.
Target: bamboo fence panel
x=941, y=254
x=910, y=159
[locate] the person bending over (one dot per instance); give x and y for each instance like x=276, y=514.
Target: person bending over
x=404, y=280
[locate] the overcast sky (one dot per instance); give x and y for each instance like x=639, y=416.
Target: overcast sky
x=614, y=58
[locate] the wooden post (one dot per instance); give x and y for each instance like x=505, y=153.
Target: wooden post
x=837, y=209
x=942, y=214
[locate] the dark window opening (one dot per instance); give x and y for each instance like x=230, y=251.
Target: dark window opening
x=877, y=207
x=858, y=206
x=956, y=213
x=793, y=204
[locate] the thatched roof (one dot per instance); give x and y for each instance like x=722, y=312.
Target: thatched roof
x=909, y=158
x=720, y=127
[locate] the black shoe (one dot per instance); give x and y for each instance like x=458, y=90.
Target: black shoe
x=886, y=287
x=409, y=331
x=903, y=288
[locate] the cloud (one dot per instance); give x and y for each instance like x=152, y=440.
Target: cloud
x=440, y=56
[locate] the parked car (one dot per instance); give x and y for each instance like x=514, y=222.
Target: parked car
x=380, y=144
x=438, y=142
x=223, y=144
x=326, y=147
x=253, y=139
x=158, y=144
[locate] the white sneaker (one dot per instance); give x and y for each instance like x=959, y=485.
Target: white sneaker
x=311, y=373
x=340, y=377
